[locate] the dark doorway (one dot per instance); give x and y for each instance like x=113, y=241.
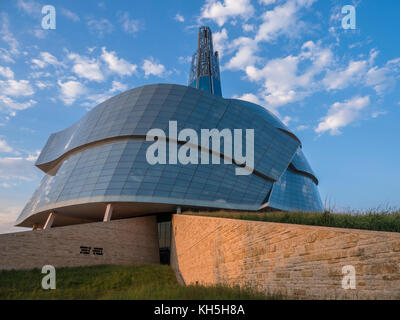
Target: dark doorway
x=164, y=237
x=164, y=255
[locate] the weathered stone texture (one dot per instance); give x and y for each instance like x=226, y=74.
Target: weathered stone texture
x=127, y=241
x=297, y=261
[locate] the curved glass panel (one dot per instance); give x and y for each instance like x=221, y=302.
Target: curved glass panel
x=295, y=192
x=264, y=114
x=301, y=164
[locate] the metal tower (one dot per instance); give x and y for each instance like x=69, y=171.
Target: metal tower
x=204, y=71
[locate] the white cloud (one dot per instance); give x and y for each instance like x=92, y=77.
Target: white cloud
x=39, y=33
x=184, y=60
x=301, y=128
x=118, y=87
x=50, y=59
x=267, y=2
x=5, y=56
x=340, y=79
x=6, y=72
x=281, y=20
x=7, y=185
x=377, y=114
x=8, y=216
x=250, y=98
x=319, y=56
x=153, y=68
x=39, y=74
x=45, y=59
x=87, y=68
x=221, y=12
x=248, y=27
x=70, y=91
x=16, y=88
x=91, y=49
x=97, y=98
x=100, y=26
x=70, y=15
x=284, y=81
x=220, y=41
x=14, y=170
x=281, y=79
x=342, y=114
x=379, y=79
x=245, y=54
x=18, y=168
x=37, y=63
x=286, y=120
x=9, y=105
x=7, y=36
x=364, y=73
x=129, y=25
x=179, y=18
x=383, y=79
x=117, y=65
x=4, y=147
x=394, y=64
x=40, y=84
x=31, y=7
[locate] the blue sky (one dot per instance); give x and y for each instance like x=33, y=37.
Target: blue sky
x=336, y=89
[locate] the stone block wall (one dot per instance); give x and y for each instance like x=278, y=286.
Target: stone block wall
x=303, y=262
x=126, y=241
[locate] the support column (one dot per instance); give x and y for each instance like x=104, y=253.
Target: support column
x=49, y=221
x=108, y=213
x=178, y=210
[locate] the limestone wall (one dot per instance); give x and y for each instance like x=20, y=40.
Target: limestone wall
x=127, y=241
x=297, y=261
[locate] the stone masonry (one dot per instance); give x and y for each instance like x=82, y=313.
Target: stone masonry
x=126, y=241
x=303, y=262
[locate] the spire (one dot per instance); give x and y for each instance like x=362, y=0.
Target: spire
x=204, y=71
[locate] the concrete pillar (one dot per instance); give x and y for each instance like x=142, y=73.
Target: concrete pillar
x=49, y=221
x=178, y=210
x=108, y=213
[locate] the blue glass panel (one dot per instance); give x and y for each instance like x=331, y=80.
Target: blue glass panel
x=295, y=192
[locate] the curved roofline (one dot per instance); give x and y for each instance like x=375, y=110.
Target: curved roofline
x=283, y=127
x=292, y=135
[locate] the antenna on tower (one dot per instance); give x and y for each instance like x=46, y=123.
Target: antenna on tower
x=204, y=71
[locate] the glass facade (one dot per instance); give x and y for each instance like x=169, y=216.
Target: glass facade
x=102, y=158
x=135, y=112
x=295, y=192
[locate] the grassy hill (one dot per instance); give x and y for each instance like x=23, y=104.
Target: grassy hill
x=155, y=282
x=373, y=220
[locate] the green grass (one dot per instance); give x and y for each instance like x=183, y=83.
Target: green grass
x=155, y=282
x=379, y=221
